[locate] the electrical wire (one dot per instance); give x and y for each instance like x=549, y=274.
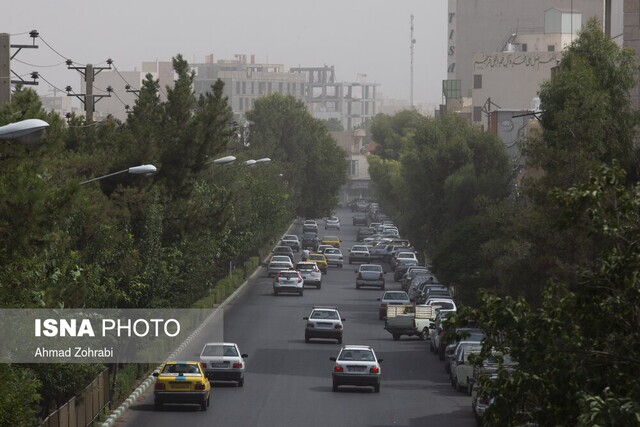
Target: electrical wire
x=20, y=34
x=50, y=84
x=39, y=66
x=58, y=53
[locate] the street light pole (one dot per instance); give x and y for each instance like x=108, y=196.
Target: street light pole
x=142, y=169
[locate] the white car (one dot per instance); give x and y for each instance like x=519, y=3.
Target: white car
x=322, y=248
x=334, y=257
x=461, y=367
x=288, y=281
x=311, y=274
x=324, y=322
x=359, y=253
x=279, y=263
x=356, y=365
x=292, y=241
x=222, y=361
x=332, y=222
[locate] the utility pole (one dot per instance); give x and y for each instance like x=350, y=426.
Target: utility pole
x=413, y=42
x=5, y=65
x=88, y=99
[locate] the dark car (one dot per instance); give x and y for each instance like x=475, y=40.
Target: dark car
x=360, y=219
x=310, y=241
x=283, y=250
x=402, y=266
x=363, y=233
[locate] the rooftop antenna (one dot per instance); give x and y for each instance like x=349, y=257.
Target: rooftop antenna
x=413, y=42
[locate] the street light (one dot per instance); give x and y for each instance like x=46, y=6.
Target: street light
x=142, y=169
x=27, y=131
x=252, y=162
x=224, y=160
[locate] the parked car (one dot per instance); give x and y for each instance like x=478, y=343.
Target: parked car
x=331, y=240
x=332, y=223
x=288, y=281
x=292, y=241
x=360, y=219
x=222, y=361
x=320, y=260
x=311, y=274
x=410, y=274
x=324, y=322
x=279, y=263
x=310, y=226
x=452, y=337
x=310, y=241
x=363, y=232
x=370, y=275
x=401, y=266
x=403, y=254
x=334, y=257
x=437, y=330
x=194, y=387
x=283, y=250
x=461, y=367
x=356, y=365
x=391, y=298
x=358, y=253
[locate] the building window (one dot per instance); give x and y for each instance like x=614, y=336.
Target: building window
x=244, y=88
x=253, y=88
x=280, y=87
x=241, y=104
x=269, y=88
x=477, y=114
x=523, y=46
x=353, y=168
x=477, y=81
x=237, y=87
x=261, y=87
x=551, y=48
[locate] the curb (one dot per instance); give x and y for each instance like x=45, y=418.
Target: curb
x=142, y=388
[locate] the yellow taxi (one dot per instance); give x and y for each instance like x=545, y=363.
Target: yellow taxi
x=320, y=261
x=181, y=382
x=331, y=240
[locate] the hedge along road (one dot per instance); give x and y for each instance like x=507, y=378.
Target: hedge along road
x=288, y=382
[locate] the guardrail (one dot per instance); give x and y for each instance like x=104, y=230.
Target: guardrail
x=82, y=410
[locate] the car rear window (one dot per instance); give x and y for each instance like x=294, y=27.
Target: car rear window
x=220, y=350
x=359, y=249
x=357, y=355
x=324, y=314
x=396, y=295
x=180, y=369
x=305, y=266
x=443, y=305
x=288, y=275
x=370, y=268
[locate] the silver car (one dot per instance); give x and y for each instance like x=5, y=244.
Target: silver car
x=288, y=281
x=222, y=361
x=370, y=275
x=333, y=222
x=356, y=365
x=334, y=257
x=358, y=253
x=279, y=263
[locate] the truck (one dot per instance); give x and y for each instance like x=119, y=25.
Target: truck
x=409, y=319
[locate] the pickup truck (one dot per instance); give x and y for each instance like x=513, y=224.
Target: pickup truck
x=409, y=319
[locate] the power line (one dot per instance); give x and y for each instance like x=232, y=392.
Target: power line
x=51, y=47
x=39, y=66
x=50, y=84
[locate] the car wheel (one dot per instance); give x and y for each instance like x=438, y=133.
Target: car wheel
x=301, y=292
x=382, y=287
x=424, y=334
x=376, y=388
x=335, y=386
x=469, y=387
x=459, y=387
x=319, y=285
x=396, y=337
x=441, y=352
x=357, y=286
x=447, y=368
x=208, y=399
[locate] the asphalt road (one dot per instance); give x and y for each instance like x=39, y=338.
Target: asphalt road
x=288, y=382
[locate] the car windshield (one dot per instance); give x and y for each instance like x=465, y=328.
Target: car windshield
x=324, y=314
x=280, y=258
x=282, y=249
x=310, y=222
x=180, y=369
x=410, y=261
x=357, y=355
x=219, y=350
x=406, y=255
x=396, y=295
x=370, y=268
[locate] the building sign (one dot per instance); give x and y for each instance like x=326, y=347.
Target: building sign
x=451, y=50
x=514, y=60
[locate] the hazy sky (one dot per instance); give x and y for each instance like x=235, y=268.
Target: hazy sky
x=358, y=37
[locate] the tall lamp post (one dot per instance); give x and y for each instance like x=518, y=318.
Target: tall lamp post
x=142, y=169
x=27, y=131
